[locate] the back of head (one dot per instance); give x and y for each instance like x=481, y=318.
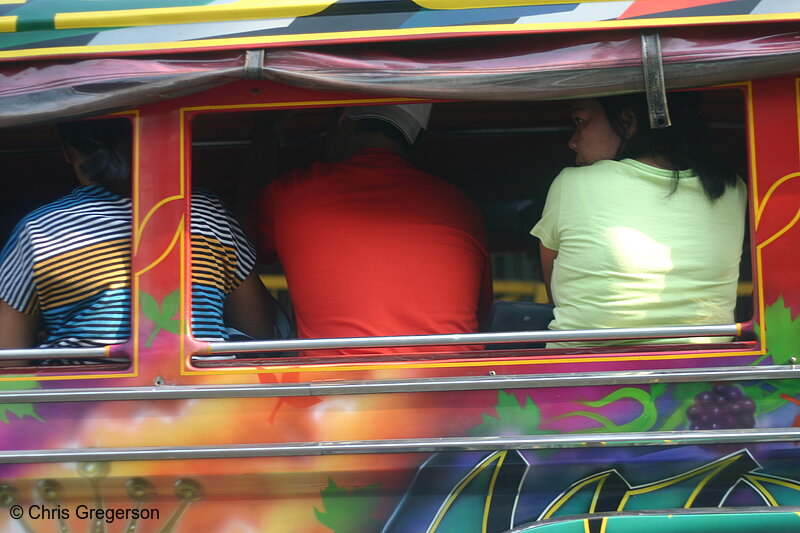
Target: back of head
x=105, y=149
x=686, y=144
x=402, y=123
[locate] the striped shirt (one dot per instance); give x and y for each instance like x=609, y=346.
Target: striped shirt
x=70, y=263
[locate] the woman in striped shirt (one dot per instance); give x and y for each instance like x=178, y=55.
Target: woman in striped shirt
x=66, y=267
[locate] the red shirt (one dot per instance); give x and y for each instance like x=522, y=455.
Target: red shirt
x=373, y=246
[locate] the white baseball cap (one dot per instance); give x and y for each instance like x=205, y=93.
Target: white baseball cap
x=410, y=119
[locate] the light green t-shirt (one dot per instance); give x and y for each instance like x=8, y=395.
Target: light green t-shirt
x=633, y=253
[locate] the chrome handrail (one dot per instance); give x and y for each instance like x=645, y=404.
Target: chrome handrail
x=424, y=445
x=407, y=340
x=30, y=354
x=476, y=338
x=399, y=386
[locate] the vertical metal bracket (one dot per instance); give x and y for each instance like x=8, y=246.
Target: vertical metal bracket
x=654, y=80
x=254, y=65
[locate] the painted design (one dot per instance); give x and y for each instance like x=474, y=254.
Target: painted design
x=131, y=514
x=11, y=411
x=784, y=333
x=349, y=510
x=732, y=522
x=162, y=315
x=36, y=27
x=298, y=402
x=500, y=490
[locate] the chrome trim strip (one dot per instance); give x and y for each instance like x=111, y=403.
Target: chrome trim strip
x=54, y=353
x=426, y=445
x=531, y=527
x=476, y=338
x=326, y=388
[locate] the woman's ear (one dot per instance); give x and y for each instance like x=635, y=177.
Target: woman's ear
x=69, y=153
x=629, y=123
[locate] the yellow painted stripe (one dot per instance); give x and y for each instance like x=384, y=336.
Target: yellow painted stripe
x=561, y=500
x=150, y=213
x=239, y=10
x=783, y=482
x=797, y=109
x=597, y=491
x=301, y=103
x=480, y=467
x=476, y=29
x=490, y=492
x=9, y=2
x=701, y=485
x=763, y=204
x=167, y=250
x=763, y=490
x=40, y=377
x=751, y=141
x=9, y=25
x=184, y=264
x=783, y=230
x=256, y=10
x=711, y=470
x=351, y=367
x=488, y=4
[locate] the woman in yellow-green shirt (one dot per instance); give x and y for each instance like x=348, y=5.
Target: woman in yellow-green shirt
x=647, y=230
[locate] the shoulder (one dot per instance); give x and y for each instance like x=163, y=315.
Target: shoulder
x=584, y=176
x=299, y=179
x=205, y=200
x=76, y=201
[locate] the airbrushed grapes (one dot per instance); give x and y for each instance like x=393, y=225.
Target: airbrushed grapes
x=723, y=407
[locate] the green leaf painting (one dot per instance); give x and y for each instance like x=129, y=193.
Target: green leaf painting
x=643, y=422
x=20, y=410
x=162, y=315
x=512, y=417
x=783, y=333
x=349, y=510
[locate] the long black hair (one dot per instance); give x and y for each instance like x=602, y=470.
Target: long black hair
x=687, y=144
x=106, y=149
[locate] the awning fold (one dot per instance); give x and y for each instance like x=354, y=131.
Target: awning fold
x=535, y=67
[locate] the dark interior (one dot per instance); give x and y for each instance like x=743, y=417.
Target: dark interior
x=503, y=154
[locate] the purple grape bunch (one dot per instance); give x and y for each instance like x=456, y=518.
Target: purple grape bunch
x=722, y=407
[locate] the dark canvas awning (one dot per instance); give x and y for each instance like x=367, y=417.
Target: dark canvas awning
x=534, y=67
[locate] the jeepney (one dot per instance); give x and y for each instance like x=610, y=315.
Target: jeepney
x=169, y=435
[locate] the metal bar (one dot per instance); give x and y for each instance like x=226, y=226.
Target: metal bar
x=254, y=65
x=399, y=386
x=476, y=338
x=427, y=445
x=54, y=353
x=654, y=80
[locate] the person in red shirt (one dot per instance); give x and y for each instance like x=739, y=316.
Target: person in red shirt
x=371, y=245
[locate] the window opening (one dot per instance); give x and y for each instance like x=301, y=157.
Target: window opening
x=502, y=155
x=66, y=267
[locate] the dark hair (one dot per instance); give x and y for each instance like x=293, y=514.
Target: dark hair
x=387, y=129
x=687, y=144
x=106, y=149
